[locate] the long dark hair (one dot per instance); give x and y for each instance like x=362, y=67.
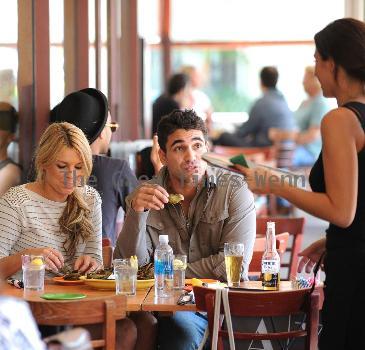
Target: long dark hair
x=344, y=41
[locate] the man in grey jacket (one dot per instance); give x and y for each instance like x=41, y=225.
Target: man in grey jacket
x=217, y=208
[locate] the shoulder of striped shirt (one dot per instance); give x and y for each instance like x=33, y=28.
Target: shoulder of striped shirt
x=93, y=193
x=17, y=196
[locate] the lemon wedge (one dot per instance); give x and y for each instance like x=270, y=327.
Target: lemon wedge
x=196, y=282
x=178, y=264
x=37, y=262
x=134, y=261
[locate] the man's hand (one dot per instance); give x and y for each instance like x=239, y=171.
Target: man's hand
x=311, y=255
x=85, y=264
x=149, y=196
x=155, y=158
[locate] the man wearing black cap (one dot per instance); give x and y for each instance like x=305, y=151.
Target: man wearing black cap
x=10, y=172
x=111, y=177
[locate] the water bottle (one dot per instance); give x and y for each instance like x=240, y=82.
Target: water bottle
x=163, y=260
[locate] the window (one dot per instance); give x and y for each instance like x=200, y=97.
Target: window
x=56, y=57
x=9, y=52
x=232, y=76
x=98, y=30
x=259, y=20
x=230, y=41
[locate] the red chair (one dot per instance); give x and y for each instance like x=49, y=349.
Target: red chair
x=107, y=251
x=295, y=227
x=106, y=242
x=265, y=304
x=268, y=153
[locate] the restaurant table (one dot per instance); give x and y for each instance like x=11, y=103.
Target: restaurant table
x=152, y=303
x=143, y=300
x=134, y=303
x=165, y=305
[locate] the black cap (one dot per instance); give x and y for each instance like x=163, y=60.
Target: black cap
x=87, y=109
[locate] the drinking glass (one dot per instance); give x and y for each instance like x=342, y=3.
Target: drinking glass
x=233, y=256
x=179, y=266
x=33, y=272
x=125, y=277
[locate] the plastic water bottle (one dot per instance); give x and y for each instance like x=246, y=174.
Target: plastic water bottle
x=163, y=260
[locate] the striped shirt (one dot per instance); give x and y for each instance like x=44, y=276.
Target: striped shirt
x=28, y=220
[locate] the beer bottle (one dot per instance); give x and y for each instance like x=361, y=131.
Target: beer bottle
x=270, y=263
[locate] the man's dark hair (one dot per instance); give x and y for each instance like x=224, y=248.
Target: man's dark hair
x=179, y=119
x=269, y=77
x=177, y=83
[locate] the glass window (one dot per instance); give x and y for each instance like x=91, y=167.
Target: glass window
x=56, y=58
x=231, y=77
x=152, y=81
x=104, y=47
x=92, y=62
x=259, y=20
x=9, y=22
x=149, y=20
x=9, y=52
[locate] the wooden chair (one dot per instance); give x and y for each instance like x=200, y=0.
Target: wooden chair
x=295, y=227
x=106, y=242
x=259, y=248
x=104, y=310
x=265, y=304
x=107, y=251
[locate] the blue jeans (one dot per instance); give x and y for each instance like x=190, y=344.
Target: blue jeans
x=182, y=331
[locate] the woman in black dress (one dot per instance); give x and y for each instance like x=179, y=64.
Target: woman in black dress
x=338, y=184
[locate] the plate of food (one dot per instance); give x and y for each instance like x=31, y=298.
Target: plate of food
x=104, y=279
x=66, y=282
x=110, y=284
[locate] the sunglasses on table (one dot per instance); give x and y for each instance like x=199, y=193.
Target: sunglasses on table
x=113, y=126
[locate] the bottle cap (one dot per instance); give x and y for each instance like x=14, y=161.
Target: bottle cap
x=163, y=239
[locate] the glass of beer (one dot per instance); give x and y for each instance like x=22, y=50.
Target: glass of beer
x=233, y=255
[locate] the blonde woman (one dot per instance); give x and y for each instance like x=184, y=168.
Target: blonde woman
x=57, y=216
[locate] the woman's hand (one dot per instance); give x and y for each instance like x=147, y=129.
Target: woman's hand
x=52, y=257
x=311, y=255
x=260, y=180
x=85, y=264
